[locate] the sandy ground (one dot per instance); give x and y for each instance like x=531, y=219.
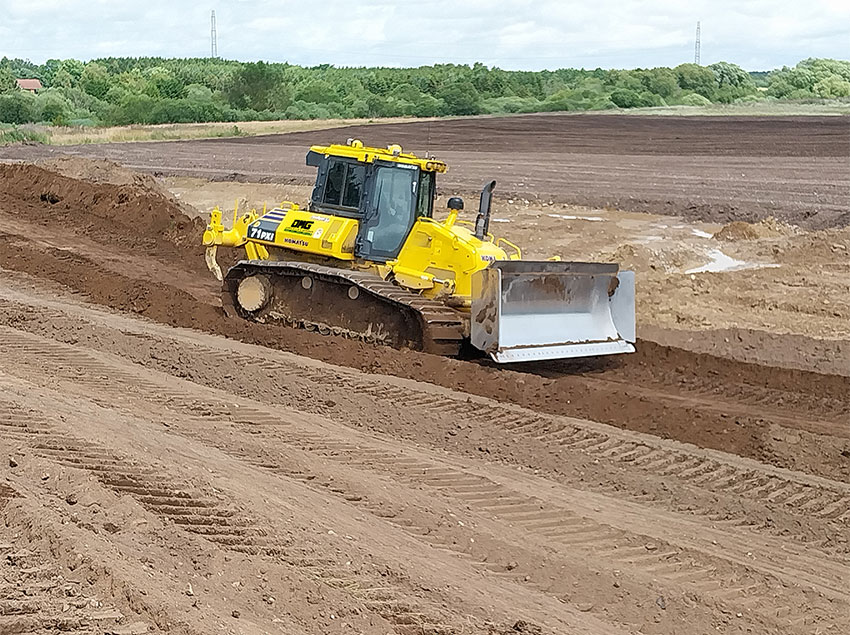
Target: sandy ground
x=194, y=484
x=167, y=469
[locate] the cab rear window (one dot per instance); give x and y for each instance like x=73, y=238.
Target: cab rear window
x=344, y=185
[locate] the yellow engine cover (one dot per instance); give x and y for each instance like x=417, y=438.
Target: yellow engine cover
x=305, y=231
x=444, y=254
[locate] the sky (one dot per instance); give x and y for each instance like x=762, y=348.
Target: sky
x=513, y=34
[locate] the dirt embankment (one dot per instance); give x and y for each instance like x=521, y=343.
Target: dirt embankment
x=703, y=399
x=133, y=213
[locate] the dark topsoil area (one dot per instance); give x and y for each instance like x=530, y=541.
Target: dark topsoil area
x=715, y=169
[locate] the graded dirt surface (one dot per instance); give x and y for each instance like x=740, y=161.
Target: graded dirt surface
x=171, y=470
x=715, y=169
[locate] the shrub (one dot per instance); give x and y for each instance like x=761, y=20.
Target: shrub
x=626, y=98
x=17, y=107
x=693, y=99
x=19, y=135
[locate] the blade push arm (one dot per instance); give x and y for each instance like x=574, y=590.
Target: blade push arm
x=236, y=236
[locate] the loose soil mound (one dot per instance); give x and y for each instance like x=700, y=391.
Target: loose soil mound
x=97, y=171
x=829, y=247
x=643, y=258
x=135, y=213
x=767, y=228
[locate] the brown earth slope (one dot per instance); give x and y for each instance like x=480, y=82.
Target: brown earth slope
x=176, y=481
x=711, y=401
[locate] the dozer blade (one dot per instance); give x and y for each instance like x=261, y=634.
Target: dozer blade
x=525, y=310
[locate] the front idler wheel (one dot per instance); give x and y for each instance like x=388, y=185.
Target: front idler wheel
x=254, y=293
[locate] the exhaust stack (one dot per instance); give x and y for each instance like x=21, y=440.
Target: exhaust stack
x=482, y=222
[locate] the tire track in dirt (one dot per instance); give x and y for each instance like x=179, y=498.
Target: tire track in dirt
x=36, y=596
x=492, y=498
x=212, y=518
x=711, y=471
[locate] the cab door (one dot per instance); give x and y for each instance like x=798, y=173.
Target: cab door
x=390, y=211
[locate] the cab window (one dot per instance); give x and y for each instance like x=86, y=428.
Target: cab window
x=344, y=185
x=425, y=203
x=394, y=197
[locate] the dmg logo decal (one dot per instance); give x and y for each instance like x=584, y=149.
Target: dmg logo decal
x=300, y=226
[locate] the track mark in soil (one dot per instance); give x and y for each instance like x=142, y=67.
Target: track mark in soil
x=796, y=493
x=569, y=540
x=36, y=596
x=212, y=518
x=553, y=525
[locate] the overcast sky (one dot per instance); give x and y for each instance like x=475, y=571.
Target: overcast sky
x=516, y=34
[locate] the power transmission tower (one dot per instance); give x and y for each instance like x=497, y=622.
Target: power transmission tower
x=696, y=46
x=213, y=37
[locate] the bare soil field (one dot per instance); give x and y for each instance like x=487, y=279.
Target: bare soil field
x=716, y=169
x=167, y=469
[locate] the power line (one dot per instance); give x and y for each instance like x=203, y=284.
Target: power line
x=697, y=46
x=213, y=37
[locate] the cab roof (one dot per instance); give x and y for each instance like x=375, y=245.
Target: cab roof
x=355, y=149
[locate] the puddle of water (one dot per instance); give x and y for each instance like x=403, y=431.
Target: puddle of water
x=720, y=263
x=571, y=217
x=500, y=220
x=701, y=234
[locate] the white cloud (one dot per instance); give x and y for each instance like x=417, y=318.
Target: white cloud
x=513, y=34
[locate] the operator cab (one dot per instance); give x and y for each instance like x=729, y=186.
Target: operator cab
x=384, y=189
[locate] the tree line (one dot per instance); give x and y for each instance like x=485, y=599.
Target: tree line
x=151, y=90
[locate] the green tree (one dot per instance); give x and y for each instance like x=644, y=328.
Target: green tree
x=62, y=79
x=832, y=87
x=660, y=81
x=7, y=81
x=252, y=85
x=162, y=83
x=95, y=80
x=17, y=107
x=626, y=98
x=315, y=91
x=133, y=109
x=726, y=74
x=461, y=98
x=53, y=107
x=73, y=68
x=697, y=79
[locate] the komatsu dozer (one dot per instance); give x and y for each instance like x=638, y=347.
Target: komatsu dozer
x=366, y=259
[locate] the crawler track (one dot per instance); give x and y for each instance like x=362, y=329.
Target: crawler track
x=380, y=312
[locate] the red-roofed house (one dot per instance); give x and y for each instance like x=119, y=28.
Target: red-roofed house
x=29, y=85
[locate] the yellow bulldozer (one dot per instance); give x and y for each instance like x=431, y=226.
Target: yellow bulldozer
x=367, y=260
